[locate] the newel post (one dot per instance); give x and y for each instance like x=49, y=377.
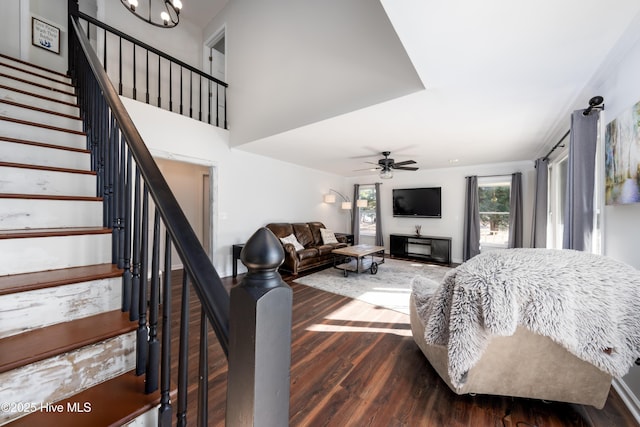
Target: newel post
x=260, y=338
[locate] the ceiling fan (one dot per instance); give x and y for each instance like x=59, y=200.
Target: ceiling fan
x=387, y=165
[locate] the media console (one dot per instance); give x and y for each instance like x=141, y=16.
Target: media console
x=425, y=248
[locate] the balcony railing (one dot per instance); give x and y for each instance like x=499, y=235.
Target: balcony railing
x=144, y=73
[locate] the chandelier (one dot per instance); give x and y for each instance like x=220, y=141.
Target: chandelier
x=169, y=17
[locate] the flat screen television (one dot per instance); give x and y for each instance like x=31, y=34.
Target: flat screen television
x=417, y=202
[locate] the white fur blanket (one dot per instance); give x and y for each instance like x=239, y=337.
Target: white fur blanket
x=587, y=303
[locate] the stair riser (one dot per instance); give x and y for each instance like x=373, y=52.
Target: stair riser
x=14, y=152
x=32, y=254
x=37, y=213
x=62, y=376
x=38, y=90
x=35, y=79
x=36, y=70
x=22, y=113
x=44, y=307
x=44, y=135
x=24, y=98
x=34, y=181
x=149, y=418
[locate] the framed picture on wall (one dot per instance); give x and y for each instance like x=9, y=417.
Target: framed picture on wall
x=45, y=36
x=622, y=158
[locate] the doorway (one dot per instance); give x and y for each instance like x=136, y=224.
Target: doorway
x=191, y=185
x=216, y=50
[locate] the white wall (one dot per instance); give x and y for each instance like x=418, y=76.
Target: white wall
x=249, y=191
x=10, y=29
x=453, y=188
x=16, y=37
x=294, y=63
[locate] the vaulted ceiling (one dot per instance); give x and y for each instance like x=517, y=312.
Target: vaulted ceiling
x=499, y=80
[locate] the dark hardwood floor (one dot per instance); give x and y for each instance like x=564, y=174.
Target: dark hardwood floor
x=354, y=364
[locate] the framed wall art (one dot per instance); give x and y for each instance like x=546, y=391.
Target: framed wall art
x=45, y=36
x=622, y=158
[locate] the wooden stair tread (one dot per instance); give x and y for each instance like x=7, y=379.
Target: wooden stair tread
x=28, y=123
x=47, y=168
x=43, y=144
x=64, y=276
x=33, y=65
x=52, y=232
x=42, y=76
x=39, y=344
x=36, y=95
x=49, y=197
x=114, y=402
x=53, y=89
x=41, y=110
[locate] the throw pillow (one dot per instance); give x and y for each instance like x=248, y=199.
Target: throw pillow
x=292, y=239
x=328, y=236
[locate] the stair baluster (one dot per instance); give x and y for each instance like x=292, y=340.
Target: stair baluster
x=154, y=300
x=134, y=313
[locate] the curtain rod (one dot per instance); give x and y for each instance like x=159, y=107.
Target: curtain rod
x=594, y=104
x=557, y=145
x=490, y=176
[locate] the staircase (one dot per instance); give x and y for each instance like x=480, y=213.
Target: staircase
x=67, y=351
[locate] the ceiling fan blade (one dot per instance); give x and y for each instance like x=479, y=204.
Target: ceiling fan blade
x=367, y=169
x=371, y=163
x=406, y=162
x=405, y=168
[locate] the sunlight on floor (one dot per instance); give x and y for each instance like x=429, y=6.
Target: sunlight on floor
x=351, y=317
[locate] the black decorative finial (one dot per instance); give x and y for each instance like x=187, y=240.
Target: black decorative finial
x=263, y=253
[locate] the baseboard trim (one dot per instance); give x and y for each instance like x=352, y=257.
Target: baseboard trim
x=628, y=397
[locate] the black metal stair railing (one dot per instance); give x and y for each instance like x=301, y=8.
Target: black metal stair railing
x=252, y=325
x=145, y=73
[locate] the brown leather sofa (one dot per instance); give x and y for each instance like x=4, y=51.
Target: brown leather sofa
x=315, y=252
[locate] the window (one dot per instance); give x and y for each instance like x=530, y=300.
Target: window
x=494, y=213
x=557, y=199
x=368, y=213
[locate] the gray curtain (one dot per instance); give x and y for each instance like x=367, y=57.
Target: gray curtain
x=379, y=238
x=515, y=211
x=539, y=220
x=471, y=237
x=355, y=218
x=578, y=216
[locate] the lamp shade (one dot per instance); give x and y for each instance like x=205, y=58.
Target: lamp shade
x=362, y=203
x=346, y=205
x=329, y=198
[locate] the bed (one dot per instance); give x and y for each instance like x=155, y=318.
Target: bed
x=537, y=323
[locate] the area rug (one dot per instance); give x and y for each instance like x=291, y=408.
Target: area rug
x=389, y=288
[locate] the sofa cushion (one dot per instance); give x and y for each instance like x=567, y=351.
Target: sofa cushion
x=325, y=249
x=280, y=229
x=292, y=239
x=303, y=234
x=328, y=237
x=308, y=253
x=315, y=227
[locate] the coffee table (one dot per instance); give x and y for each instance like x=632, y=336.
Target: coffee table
x=357, y=261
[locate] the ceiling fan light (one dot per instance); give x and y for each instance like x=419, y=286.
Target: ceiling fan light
x=165, y=17
x=177, y=5
x=386, y=174
x=133, y=4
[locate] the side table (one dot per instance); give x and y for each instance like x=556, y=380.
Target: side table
x=235, y=251
x=349, y=237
